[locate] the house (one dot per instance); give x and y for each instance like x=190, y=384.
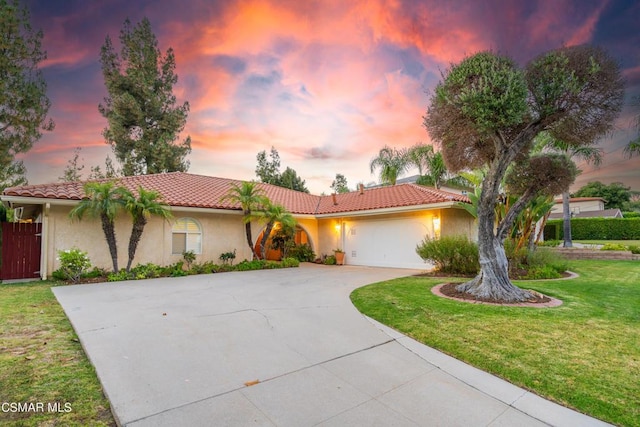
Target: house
x=585, y=207
x=375, y=227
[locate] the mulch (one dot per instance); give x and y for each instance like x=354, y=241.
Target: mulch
x=448, y=290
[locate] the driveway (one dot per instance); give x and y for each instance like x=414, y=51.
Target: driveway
x=279, y=348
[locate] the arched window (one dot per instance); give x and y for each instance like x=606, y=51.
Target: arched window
x=186, y=235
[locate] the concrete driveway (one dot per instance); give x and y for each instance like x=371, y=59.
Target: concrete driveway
x=279, y=348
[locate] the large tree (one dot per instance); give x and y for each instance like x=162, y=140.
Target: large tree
x=339, y=185
x=487, y=111
x=269, y=172
x=615, y=195
x=23, y=100
x=144, y=120
x=102, y=200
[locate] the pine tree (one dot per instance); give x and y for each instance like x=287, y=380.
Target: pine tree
x=23, y=101
x=144, y=121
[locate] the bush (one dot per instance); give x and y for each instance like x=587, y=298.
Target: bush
x=613, y=247
x=290, y=262
x=330, y=260
x=634, y=249
x=543, y=258
x=145, y=271
x=455, y=254
x=95, y=272
x=302, y=253
x=73, y=264
x=542, y=272
x=596, y=229
x=228, y=257
x=119, y=276
x=550, y=243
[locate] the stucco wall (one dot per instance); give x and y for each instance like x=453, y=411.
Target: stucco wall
x=220, y=233
x=458, y=222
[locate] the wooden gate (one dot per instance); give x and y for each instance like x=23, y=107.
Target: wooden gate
x=20, y=250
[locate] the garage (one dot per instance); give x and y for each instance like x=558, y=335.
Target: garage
x=386, y=242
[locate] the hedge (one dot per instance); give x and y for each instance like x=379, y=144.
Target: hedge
x=595, y=229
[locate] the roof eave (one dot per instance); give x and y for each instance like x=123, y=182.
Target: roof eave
x=380, y=211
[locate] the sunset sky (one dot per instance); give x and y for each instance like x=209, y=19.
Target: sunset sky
x=327, y=83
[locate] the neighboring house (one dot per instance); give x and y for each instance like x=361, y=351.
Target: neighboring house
x=585, y=207
x=375, y=227
x=414, y=178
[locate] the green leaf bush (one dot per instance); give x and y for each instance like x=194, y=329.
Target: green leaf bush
x=451, y=254
x=595, y=229
x=74, y=263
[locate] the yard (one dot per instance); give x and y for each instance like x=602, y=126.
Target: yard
x=42, y=362
x=584, y=354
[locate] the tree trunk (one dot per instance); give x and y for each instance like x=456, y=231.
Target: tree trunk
x=493, y=279
x=247, y=229
x=136, y=235
x=110, y=235
x=265, y=237
x=566, y=220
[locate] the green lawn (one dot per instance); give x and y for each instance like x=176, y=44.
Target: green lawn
x=584, y=354
x=42, y=362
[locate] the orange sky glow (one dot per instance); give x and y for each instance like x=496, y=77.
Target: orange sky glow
x=327, y=83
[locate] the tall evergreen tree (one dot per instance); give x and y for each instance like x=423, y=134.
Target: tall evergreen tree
x=23, y=101
x=144, y=121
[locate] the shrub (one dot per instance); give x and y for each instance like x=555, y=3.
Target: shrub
x=290, y=262
x=596, y=229
x=73, y=264
x=613, y=247
x=206, y=267
x=550, y=243
x=119, y=276
x=245, y=265
x=228, y=257
x=454, y=254
x=302, y=253
x=543, y=258
x=189, y=257
x=96, y=272
x=146, y=271
x=542, y=272
x=635, y=249
x=330, y=260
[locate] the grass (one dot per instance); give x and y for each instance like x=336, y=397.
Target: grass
x=584, y=354
x=604, y=242
x=42, y=361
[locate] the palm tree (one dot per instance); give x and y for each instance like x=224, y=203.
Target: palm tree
x=102, y=200
x=392, y=163
x=420, y=156
x=273, y=213
x=141, y=208
x=589, y=153
x=250, y=197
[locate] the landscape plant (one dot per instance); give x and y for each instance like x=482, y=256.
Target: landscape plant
x=487, y=111
x=74, y=264
x=102, y=200
x=141, y=207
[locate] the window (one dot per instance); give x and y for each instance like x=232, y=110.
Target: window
x=186, y=235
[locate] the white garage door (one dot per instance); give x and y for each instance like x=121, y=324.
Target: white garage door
x=385, y=243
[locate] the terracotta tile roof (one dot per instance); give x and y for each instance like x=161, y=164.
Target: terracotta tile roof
x=386, y=197
x=189, y=190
